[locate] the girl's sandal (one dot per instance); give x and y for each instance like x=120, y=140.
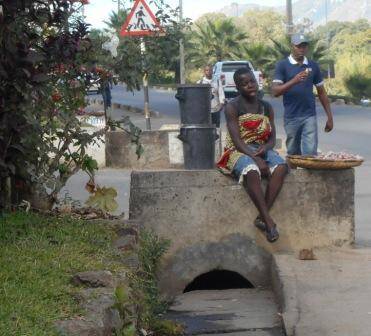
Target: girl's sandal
x=259, y=224
x=272, y=234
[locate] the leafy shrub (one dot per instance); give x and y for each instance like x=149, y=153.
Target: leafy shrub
x=359, y=85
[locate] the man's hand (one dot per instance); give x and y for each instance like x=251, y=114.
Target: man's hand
x=261, y=151
x=329, y=125
x=301, y=76
x=263, y=167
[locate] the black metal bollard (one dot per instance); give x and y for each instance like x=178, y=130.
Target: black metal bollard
x=197, y=133
x=195, y=104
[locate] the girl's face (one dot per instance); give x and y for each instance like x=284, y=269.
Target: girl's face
x=247, y=86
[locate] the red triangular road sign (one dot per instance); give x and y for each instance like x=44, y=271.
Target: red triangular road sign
x=141, y=21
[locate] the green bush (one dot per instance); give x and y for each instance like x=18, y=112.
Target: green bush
x=359, y=85
x=352, y=75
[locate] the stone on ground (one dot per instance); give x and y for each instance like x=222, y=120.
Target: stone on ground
x=94, y=279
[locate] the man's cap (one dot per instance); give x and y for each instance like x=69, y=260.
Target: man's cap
x=297, y=39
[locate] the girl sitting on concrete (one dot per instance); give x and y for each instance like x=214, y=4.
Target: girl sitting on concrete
x=249, y=150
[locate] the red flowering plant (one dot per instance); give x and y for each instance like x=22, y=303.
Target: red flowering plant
x=46, y=61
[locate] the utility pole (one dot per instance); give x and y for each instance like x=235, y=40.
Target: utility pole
x=289, y=24
x=118, y=5
x=181, y=47
x=327, y=38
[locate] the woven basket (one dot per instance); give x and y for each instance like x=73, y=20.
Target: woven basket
x=311, y=162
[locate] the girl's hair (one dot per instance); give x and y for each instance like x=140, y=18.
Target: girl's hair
x=240, y=72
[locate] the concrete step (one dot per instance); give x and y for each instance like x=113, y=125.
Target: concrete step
x=235, y=312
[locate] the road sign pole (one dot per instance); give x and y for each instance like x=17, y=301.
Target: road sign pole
x=147, y=114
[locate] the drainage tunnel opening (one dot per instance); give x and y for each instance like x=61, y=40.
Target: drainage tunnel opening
x=219, y=280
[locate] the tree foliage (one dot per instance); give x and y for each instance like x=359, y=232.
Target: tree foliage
x=265, y=43
x=214, y=41
x=345, y=41
x=46, y=66
x=261, y=25
x=260, y=54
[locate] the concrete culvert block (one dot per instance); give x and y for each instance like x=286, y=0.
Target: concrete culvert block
x=209, y=220
x=235, y=253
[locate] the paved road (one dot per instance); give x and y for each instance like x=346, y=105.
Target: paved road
x=352, y=123
x=352, y=133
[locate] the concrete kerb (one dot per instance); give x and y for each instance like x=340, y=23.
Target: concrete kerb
x=164, y=88
x=286, y=297
x=129, y=108
x=161, y=150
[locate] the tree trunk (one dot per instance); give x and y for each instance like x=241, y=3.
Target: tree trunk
x=39, y=198
x=5, y=193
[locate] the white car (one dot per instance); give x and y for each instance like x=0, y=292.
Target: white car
x=93, y=87
x=224, y=71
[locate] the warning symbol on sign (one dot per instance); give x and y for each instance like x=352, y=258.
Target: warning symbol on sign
x=141, y=21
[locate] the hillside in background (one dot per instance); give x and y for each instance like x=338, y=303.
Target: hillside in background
x=315, y=10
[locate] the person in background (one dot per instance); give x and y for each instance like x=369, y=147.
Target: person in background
x=106, y=94
x=294, y=79
x=217, y=91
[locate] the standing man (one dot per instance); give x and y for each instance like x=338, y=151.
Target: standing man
x=217, y=91
x=294, y=79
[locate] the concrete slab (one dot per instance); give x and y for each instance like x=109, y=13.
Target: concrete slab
x=241, y=311
x=312, y=210
x=328, y=296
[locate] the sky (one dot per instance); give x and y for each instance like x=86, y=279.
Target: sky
x=98, y=10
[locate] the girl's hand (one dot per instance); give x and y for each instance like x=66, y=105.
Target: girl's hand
x=263, y=167
x=261, y=151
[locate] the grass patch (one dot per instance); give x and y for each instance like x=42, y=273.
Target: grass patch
x=38, y=256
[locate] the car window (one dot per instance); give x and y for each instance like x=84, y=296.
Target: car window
x=232, y=67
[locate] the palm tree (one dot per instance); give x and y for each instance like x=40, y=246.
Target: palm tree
x=280, y=48
x=318, y=51
x=116, y=20
x=259, y=55
x=215, y=41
